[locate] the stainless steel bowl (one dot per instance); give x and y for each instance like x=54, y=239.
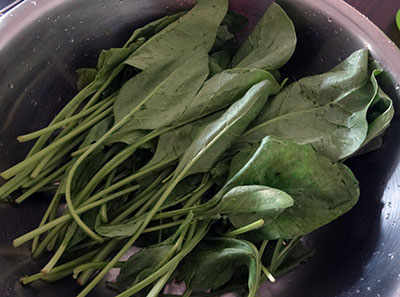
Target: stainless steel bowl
x=42, y=42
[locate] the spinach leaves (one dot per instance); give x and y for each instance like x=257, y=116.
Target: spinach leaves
x=188, y=144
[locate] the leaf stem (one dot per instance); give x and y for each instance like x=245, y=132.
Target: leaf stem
x=53, y=261
x=28, y=236
x=253, y=226
x=36, y=157
x=96, y=108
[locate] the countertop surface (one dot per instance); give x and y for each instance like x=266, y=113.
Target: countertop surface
x=382, y=13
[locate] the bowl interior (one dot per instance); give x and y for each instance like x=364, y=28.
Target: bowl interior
x=43, y=42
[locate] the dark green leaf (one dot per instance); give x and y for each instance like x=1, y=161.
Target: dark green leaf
x=246, y=204
x=218, y=136
x=235, y=21
x=193, y=32
x=156, y=93
x=141, y=265
x=222, y=90
x=97, y=131
x=213, y=263
x=321, y=190
x=86, y=76
x=172, y=145
x=271, y=44
x=328, y=111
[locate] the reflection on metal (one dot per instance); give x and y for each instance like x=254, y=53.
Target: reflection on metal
x=10, y=6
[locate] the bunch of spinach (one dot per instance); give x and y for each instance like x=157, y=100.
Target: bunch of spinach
x=183, y=143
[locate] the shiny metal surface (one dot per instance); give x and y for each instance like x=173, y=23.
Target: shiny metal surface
x=41, y=44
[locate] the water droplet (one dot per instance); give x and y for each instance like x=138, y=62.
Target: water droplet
x=47, y=18
x=390, y=204
x=48, y=62
x=25, y=90
x=104, y=6
x=329, y=19
x=38, y=37
x=80, y=21
x=391, y=256
x=10, y=86
x=357, y=291
x=397, y=87
x=68, y=15
x=38, y=20
x=34, y=3
x=361, y=279
x=65, y=29
x=368, y=288
x=73, y=27
x=71, y=40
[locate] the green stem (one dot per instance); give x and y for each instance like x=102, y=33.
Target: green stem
x=268, y=274
x=92, y=266
x=127, y=180
x=46, y=215
x=138, y=202
x=71, y=105
x=66, y=266
x=42, y=246
x=64, y=244
x=41, y=184
x=114, y=162
x=53, y=163
x=16, y=182
x=253, y=226
x=129, y=207
x=51, y=128
x=160, y=284
x=103, y=207
x=187, y=293
x=65, y=218
x=188, y=247
x=104, y=252
x=164, y=226
x=36, y=157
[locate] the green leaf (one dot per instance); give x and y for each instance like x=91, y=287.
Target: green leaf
x=213, y=263
x=85, y=77
x=379, y=115
x=271, y=44
x=195, y=31
x=158, y=91
x=124, y=229
x=246, y=204
x=398, y=19
x=321, y=190
x=235, y=21
x=141, y=265
x=127, y=134
x=97, y=131
x=173, y=144
x=328, y=111
x=222, y=90
x=153, y=28
x=218, y=136
x=89, y=218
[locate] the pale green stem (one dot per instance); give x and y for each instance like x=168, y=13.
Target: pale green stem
x=64, y=244
x=251, y=227
x=65, y=218
x=51, y=128
x=46, y=215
